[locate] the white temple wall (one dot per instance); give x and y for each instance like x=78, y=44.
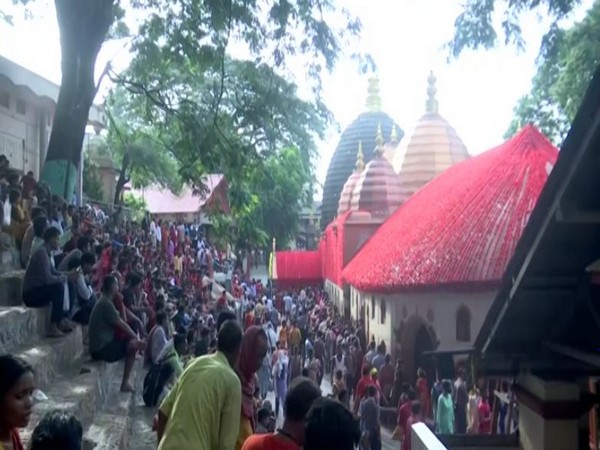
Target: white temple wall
x=388, y=316
x=336, y=294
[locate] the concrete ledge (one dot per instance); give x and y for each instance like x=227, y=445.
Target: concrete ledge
x=107, y=432
x=81, y=390
x=11, y=286
x=49, y=356
x=19, y=325
x=110, y=427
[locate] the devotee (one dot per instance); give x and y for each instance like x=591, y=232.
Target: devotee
x=415, y=417
x=104, y=343
x=280, y=376
x=386, y=377
x=302, y=394
x=338, y=383
x=422, y=388
x=29, y=235
x=295, y=336
x=444, y=420
x=329, y=425
x=379, y=358
x=361, y=388
x=314, y=368
x=485, y=417
x=461, y=398
x=203, y=408
x=253, y=351
x=263, y=420
x=295, y=363
x=201, y=347
x=57, y=430
x=371, y=353
x=404, y=411
x=18, y=217
x=369, y=414
x=43, y=284
x=16, y=400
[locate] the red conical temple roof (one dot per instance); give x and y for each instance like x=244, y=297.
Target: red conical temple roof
x=461, y=228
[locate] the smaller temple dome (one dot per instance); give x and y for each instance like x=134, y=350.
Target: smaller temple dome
x=432, y=148
x=378, y=190
x=346, y=195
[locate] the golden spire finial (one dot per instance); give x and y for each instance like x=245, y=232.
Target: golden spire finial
x=432, y=104
x=379, y=141
x=360, y=158
x=373, y=98
x=394, y=135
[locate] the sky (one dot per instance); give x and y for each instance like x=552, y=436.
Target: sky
x=476, y=92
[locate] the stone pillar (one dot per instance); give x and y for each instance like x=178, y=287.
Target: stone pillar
x=549, y=413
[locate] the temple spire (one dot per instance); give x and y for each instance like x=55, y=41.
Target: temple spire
x=394, y=135
x=360, y=158
x=379, y=141
x=432, y=104
x=373, y=96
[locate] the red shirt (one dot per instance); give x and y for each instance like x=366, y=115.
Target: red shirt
x=403, y=413
x=361, y=387
x=269, y=442
x=485, y=420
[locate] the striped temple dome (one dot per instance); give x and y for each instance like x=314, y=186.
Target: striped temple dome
x=341, y=166
x=433, y=147
x=378, y=190
x=346, y=195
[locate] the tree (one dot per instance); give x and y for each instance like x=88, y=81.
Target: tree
x=84, y=26
x=142, y=154
x=475, y=26
x=282, y=185
x=190, y=29
x=563, y=74
x=91, y=185
x=266, y=204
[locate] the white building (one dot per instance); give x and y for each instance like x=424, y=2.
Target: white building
x=27, y=104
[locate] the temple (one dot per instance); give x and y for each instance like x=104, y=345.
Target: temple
x=416, y=255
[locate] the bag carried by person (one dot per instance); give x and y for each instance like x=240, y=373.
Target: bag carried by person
x=155, y=381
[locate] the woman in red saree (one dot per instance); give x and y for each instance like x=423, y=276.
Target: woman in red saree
x=423, y=394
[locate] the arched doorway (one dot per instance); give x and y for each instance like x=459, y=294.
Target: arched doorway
x=417, y=338
x=424, y=344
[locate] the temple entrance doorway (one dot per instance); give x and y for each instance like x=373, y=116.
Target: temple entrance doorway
x=417, y=339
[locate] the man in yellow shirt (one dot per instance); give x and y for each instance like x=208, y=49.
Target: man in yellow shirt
x=295, y=337
x=202, y=411
x=283, y=335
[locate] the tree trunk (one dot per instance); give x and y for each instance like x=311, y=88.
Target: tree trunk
x=83, y=27
x=123, y=178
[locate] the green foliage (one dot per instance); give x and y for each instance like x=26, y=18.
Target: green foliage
x=141, y=154
x=266, y=204
x=565, y=69
x=92, y=186
x=136, y=204
x=475, y=27
x=8, y=17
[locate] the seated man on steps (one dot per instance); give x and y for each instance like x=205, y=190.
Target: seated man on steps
x=43, y=284
x=104, y=344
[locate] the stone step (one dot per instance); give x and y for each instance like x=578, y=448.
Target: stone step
x=110, y=427
x=83, y=390
x=49, y=356
x=11, y=285
x=19, y=325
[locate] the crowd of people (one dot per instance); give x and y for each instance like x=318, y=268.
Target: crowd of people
x=223, y=370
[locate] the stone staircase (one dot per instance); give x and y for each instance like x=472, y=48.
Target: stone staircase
x=66, y=374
